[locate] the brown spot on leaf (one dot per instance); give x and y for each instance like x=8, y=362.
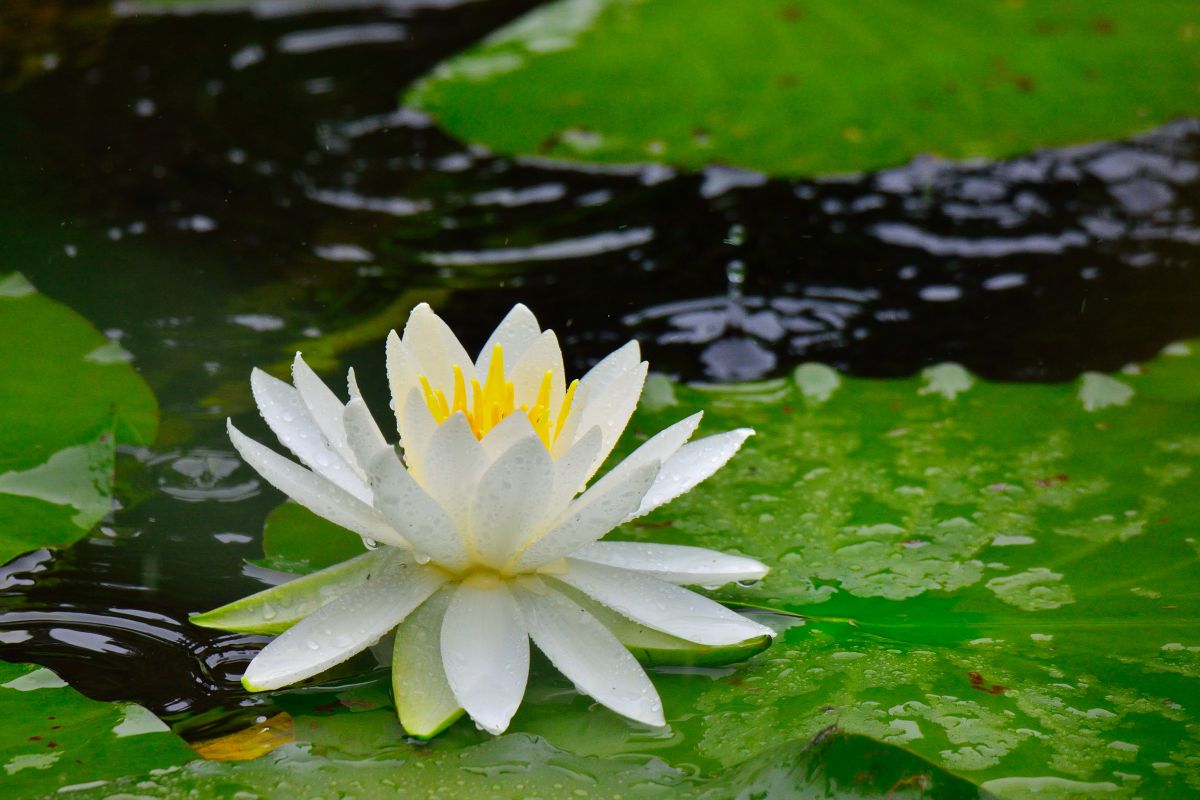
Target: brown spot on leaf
x=1024, y=83
x=980, y=684
x=787, y=81
x=252, y=742
x=791, y=12
x=1053, y=480
x=1104, y=26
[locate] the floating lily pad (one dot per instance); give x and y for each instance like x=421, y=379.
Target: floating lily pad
x=817, y=86
x=56, y=740
x=69, y=397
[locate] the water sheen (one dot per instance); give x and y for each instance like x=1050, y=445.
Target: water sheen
x=249, y=177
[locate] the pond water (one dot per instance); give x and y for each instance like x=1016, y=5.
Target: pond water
x=215, y=188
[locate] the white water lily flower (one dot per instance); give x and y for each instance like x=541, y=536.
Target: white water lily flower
x=488, y=537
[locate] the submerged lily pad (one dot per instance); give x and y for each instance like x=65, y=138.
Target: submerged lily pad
x=69, y=397
x=817, y=86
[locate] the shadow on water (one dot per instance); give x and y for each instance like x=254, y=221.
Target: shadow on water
x=214, y=187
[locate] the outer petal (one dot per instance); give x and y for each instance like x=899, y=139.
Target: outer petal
x=424, y=701
x=324, y=407
x=450, y=472
x=485, y=650
x=610, y=406
x=414, y=513
x=403, y=377
x=657, y=449
x=276, y=609
x=693, y=463
x=342, y=628
x=593, y=514
x=660, y=605
x=510, y=500
x=363, y=437
x=318, y=495
x=516, y=331
x=290, y=420
x=674, y=563
x=587, y=653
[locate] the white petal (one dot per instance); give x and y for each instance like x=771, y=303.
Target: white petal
x=352, y=384
x=693, y=463
x=324, y=406
x=543, y=355
x=314, y=492
x=424, y=700
x=418, y=428
x=674, y=563
x=587, y=653
x=611, y=406
x=570, y=429
x=516, y=331
x=342, y=628
x=510, y=500
x=435, y=349
x=593, y=514
x=485, y=650
x=453, y=463
x=415, y=514
x=612, y=365
x=402, y=377
x=363, y=437
x=571, y=471
x=662, y=606
x=510, y=430
x=290, y=420
x=658, y=448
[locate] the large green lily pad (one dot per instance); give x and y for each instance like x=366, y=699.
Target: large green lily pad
x=68, y=396
x=988, y=588
x=56, y=740
x=817, y=86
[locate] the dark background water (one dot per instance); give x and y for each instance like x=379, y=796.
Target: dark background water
x=217, y=189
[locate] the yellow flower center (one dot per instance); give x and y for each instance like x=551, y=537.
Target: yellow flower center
x=485, y=406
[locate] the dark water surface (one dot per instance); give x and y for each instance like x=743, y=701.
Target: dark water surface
x=217, y=190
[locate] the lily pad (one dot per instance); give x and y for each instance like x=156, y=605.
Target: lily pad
x=796, y=87
x=56, y=740
x=69, y=397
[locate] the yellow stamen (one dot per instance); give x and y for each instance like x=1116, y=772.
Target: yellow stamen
x=485, y=406
x=566, y=408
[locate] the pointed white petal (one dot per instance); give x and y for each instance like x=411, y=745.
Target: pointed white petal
x=485, y=650
x=510, y=500
x=343, y=627
x=417, y=429
x=320, y=496
x=674, y=563
x=516, y=331
x=658, y=448
x=593, y=514
x=412, y=512
x=662, y=606
x=435, y=349
x=612, y=365
x=512, y=429
x=611, y=406
x=587, y=653
x=542, y=356
x=352, y=384
x=324, y=406
x=402, y=372
x=571, y=471
x=453, y=463
x=693, y=463
x=363, y=437
x=290, y=420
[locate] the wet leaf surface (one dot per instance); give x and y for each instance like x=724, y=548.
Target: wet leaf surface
x=816, y=87
x=63, y=413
